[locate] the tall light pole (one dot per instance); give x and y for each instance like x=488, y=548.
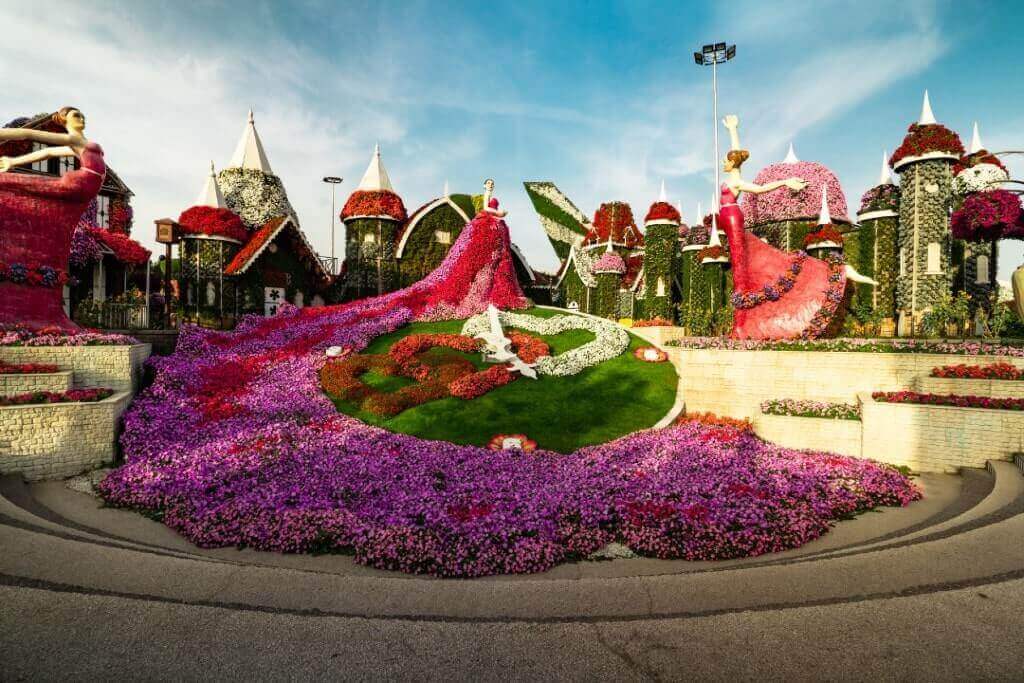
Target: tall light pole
x=333, y=181
x=713, y=55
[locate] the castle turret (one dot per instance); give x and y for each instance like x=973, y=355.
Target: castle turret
x=925, y=162
x=608, y=269
x=876, y=250
x=661, y=258
x=373, y=215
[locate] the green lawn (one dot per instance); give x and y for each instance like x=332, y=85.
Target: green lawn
x=561, y=413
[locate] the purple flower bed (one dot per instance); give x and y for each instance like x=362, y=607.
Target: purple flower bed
x=236, y=445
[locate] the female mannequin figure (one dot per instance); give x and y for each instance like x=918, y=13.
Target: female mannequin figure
x=777, y=295
x=37, y=218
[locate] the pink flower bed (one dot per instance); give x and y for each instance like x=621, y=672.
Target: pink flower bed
x=69, y=396
x=949, y=400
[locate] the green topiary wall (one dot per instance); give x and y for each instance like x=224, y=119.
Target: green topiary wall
x=925, y=201
x=660, y=244
x=606, y=295
x=363, y=275
x=423, y=252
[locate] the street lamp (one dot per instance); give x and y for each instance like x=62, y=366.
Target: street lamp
x=333, y=181
x=713, y=55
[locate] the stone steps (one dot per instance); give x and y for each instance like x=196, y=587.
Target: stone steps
x=13, y=384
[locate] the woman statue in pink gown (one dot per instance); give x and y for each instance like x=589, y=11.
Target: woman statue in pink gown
x=477, y=271
x=37, y=218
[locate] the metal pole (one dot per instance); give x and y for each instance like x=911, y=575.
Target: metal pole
x=332, y=230
x=167, y=287
x=146, y=309
x=714, y=124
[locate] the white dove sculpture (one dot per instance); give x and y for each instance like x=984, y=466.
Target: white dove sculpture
x=496, y=347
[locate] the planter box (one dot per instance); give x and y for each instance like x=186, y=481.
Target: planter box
x=658, y=335
x=817, y=433
x=115, y=367
x=23, y=383
x=939, y=438
x=52, y=441
x=996, y=388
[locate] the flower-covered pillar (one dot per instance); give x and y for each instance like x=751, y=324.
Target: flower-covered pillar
x=924, y=162
x=877, y=247
x=660, y=259
x=608, y=269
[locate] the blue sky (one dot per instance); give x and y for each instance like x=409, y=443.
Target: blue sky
x=602, y=98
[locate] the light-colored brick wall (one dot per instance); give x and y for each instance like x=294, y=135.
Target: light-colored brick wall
x=734, y=383
x=23, y=383
x=998, y=388
x=114, y=367
x=61, y=439
x=939, y=438
x=821, y=434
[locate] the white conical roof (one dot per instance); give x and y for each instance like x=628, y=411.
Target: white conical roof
x=714, y=240
x=375, y=178
x=446, y=193
x=824, y=217
x=790, y=156
x=976, y=145
x=249, y=152
x=211, y=194
x=679, y=205
x=885, y=178
x=700, y=213
x=662, y=197
x=927, y=117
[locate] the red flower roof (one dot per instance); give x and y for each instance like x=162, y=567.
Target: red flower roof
x=255, y=245
x=980, y=157
x=126, y=250
x=662, y=211
x=824, y=233
x=634, y=265
x=614, y=219
x=931, y=137
x=378, y=203
x=209, y=220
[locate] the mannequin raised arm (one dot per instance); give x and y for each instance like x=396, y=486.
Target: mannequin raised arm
x=732, y=165
x=732, y=124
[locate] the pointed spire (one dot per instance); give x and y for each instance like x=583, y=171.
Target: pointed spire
x=714, y=240
x=662, y=197
x=927, y=117
x=885, y=178
x=790, y=156
x=679, y=206
x=700, y=213
x=446, y=193
x=211, y=194
x=824, y=217
x=976, y=145
x=375, y=178
x=249, y=152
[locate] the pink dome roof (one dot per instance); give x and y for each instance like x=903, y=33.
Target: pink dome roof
x=784, y=204
x=610, y=262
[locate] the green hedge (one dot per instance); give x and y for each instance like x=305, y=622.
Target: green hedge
x=660, y=244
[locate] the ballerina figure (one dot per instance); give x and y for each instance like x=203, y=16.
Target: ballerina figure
x=37, y=218
x=777, y=295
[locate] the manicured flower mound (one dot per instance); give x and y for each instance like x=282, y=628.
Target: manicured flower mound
x=978, y=174
x=69, y=396
x=662, y=211
x=784, y=204
x=505, y=442
x=963, y=348
x=650, y=354
x=824, y=233
x=927, y=139
x=615, y=220
x=743, y=425
x=1005, y=371
x=881, y=198
x=990, y=215
x=19, y=335
x=209, y=220
x=609, y=262
x=374, y=203
x=797, y=408
x=712, y=253
x=26, y=368
x=254, y=196
x=949, y=400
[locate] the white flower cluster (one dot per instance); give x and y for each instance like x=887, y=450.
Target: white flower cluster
x=555, y=196
x=584, y=264
x=559, y=232
x=610, y=339
x=979, y=178
x=255, y=196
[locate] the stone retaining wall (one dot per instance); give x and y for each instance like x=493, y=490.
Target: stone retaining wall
x=997, y=388
x=114, y=367
x=52, y=441
x=939, y=438
x=23, y=383
x=818, y=433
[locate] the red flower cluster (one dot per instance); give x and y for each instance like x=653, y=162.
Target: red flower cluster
x=713, y=420
x=32, y=273
x=26, y=368
x=614, y=219
x=1006, y=371
x=126, y=250
x=662, y=211
x=405, y=350
x=987, y=402
x=209, y=220
x=653, y=322
x=528, y=347
x=826, y=233
x=69, y=396
x=479, y=383
x=980, y=157
x=121, y=215
x=715, y=252
x=374, y=203
x=933, y=137
x=989, y=215
x=707, y=220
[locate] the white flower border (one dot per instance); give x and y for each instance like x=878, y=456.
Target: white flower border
x=610, y=339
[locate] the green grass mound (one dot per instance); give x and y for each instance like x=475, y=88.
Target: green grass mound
x=617, y=397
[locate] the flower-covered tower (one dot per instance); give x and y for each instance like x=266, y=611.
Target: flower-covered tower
x=784, y=217
x=705, y=288
x=874, y=249
x=608, y=269
x=373, y=216
x=250, y=187
x=974, y=261
x=661, y=258
x=925, y=163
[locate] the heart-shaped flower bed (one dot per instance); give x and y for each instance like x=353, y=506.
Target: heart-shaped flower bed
x=436, y=376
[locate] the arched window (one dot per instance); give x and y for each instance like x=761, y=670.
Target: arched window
x=660, y=291
x=211, y=293
x=934, y=258
x=903, y=261
x=983, y=275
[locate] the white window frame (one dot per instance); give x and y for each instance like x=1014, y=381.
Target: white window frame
x=43, y=165
x=65, y=164
x=443, y=236
x=934, y=266
x=982, y=275
x=103, y=211
x=903, y=261
x=369, y=238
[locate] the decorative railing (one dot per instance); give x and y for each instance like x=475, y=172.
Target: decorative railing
x=110, y=315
